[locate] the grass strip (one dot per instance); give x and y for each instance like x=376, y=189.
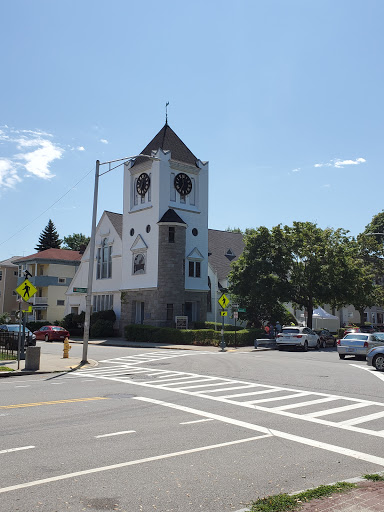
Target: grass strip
x=375, y=477
x=4, y=357
x=286, y=502
x=6, y=369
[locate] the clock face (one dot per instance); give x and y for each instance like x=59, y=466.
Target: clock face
x=142, y=184
x=183, y=184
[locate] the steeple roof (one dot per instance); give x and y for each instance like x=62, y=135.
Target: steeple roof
x=167, y=140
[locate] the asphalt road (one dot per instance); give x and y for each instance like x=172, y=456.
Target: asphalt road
x=179, y=430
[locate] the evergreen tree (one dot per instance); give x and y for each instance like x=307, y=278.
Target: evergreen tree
x=49, y=238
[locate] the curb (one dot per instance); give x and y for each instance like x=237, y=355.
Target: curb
x=17, y=373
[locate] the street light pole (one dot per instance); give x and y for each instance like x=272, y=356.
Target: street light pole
x=88, y=298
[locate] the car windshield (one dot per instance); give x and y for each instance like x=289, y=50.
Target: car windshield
x=291, y=330
x=359, y=337
x=15, y=328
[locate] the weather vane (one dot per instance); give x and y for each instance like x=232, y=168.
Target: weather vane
x=166, y=112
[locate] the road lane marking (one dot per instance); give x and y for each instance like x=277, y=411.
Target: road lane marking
x=17, y=449
x=309, y=402
x=337, y=409
x=275, y=398
x=222, y=384
x=196, y=421
x=370, y=369
x=53, y=402
x=116, y=433
x=363, y=419
x=27, y=386
x=276, y=433
x=126, y=464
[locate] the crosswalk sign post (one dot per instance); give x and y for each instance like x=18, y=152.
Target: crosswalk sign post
x=26, y=290
x=223, y=301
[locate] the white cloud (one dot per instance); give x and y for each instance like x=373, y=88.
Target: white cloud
x=36, y=154
x=327, y=185
x=339, y=164
x=104, y=141
x=80, y=148
x=296, y=170
x=8, y=175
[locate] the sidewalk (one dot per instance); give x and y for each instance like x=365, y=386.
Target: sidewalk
x=49, y=363
x=367, y=497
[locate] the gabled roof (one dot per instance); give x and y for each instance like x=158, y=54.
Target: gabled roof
x=170, y=216
x=167, y=140
x=116, y=221
x=219, y=245
x=52, y=254
x=9, y=262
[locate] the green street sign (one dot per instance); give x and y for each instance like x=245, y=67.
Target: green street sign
x=80, y=290
x=242, y=310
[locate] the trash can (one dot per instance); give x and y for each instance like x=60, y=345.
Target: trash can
x=32, y=359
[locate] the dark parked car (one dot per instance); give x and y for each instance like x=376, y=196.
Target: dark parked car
x=326, y=338
x=367, y=328
x=9, y=336
x=51, y=333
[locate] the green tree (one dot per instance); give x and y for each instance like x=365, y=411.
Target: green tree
x=259, y=277
x=49, y=238
x=76, y=242
x=302, y=264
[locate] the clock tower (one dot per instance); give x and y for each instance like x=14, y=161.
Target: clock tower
x=165, y=234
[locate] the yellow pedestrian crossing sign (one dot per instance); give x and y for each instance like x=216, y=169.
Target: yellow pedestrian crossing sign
x=223, y=301
x=26, y=290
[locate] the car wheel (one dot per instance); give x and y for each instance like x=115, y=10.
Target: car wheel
x=342, y=356
x=378, y=362
x=305, y=346
x=46, y=337
x=318, y=345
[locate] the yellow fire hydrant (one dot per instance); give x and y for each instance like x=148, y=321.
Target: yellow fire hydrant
x=67, y=348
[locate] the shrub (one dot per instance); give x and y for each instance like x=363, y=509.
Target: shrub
x=108, y=314
x=204, y=337
x=211, y=325
x=35, y=326
x=102, y=328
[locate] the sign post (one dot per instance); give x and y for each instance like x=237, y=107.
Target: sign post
x=223, y=301
x=26, y=290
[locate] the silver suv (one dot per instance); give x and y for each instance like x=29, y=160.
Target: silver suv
x=300, y=337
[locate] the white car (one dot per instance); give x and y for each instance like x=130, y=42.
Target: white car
x=301, y=337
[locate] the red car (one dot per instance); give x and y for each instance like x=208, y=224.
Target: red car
x=51, y=333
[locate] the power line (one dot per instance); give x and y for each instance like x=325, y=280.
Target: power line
x=49, y=207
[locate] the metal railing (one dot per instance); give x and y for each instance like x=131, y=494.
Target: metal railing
x=8, y=345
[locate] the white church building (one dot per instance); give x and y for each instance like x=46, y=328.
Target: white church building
x=158, y=259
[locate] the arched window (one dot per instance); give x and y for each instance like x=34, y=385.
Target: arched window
x=104, y=260
x=139, y=264
x=209, y=296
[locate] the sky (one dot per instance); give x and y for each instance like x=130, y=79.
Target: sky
x=284, y=98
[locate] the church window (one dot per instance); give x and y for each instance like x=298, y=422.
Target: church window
x=104, y=260
x=209, y=296
x=192, y=195
x=132, y=232
x=172, y=189
x=171, y=235
x=135, y=194
x=195, y=232
x=148, y=228
x=194, y=269
x=102, y=302
x=169, y=312
x=139, y=264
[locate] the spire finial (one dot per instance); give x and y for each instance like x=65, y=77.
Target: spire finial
x=166, y=112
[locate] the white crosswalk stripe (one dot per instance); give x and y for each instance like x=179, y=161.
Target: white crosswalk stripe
x=298, y=404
